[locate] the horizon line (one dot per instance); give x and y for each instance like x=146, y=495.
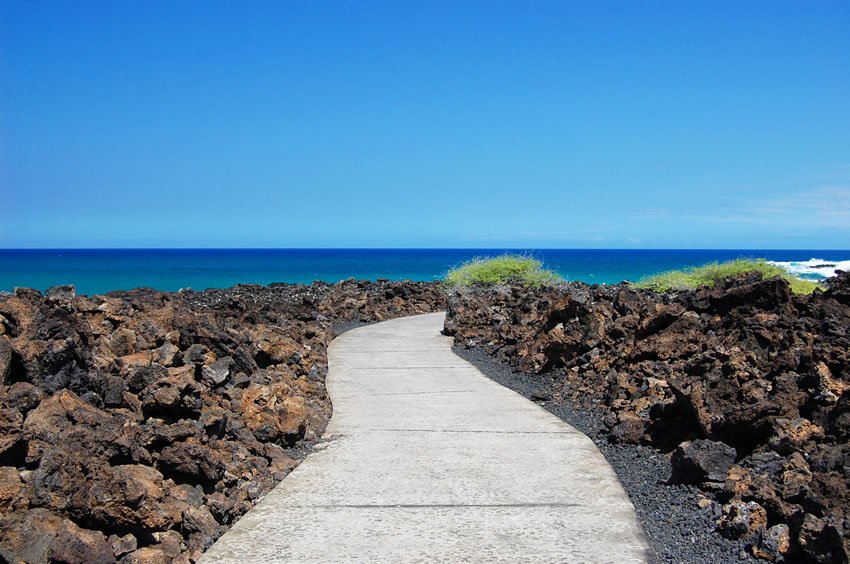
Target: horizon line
x=506, y=248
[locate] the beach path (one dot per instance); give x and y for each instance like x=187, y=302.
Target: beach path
x=427, y=460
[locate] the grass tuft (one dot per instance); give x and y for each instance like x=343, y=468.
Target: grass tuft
x=712, y=273
x=502, y=269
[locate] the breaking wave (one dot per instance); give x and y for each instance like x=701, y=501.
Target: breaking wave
x=813, y=269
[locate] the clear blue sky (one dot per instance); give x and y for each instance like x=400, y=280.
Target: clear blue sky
x=425, y=124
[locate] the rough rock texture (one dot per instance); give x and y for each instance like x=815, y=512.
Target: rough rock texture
x=137, y=426
x=699, y=461
x=756, y=378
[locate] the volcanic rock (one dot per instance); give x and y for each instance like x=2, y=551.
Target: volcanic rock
x=37, y=535
x=123, y=545
x=5, y=360
x=695, y=462
x=772, y=544
x=745, y=384
x=138, y=426
x=742, y=520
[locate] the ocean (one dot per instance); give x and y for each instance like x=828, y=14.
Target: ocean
x=95, y=271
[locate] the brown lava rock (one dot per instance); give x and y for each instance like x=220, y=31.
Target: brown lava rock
x=756, y=375
x=137, y=426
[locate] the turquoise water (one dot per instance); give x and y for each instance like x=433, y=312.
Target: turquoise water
x=98, y=271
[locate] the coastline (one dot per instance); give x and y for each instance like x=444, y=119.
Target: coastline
x=197, y=403
x=98, y=271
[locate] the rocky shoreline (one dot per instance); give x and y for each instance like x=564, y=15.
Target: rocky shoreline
x=744, y=387
x=137, y=426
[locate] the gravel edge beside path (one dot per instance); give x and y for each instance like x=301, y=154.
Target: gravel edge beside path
x=676, y=527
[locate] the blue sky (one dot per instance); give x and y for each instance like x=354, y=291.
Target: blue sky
x=425, y=124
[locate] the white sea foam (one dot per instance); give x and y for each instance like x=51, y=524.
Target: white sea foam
x=813, y=269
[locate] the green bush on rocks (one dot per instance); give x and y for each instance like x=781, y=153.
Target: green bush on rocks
x=712, y=273
x=503, y=269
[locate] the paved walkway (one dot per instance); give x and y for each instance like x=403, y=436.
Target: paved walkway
x=427, y=460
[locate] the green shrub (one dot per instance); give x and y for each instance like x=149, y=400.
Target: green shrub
x=712, y=273
x=502, y=269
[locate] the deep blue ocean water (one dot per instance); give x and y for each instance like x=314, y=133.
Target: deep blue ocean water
x=99, y=271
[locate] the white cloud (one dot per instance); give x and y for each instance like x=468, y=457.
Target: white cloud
x=821, y=208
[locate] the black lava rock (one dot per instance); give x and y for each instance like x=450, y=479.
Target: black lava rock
x=695, y=462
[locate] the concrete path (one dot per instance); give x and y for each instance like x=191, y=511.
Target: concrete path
x=427, y=460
